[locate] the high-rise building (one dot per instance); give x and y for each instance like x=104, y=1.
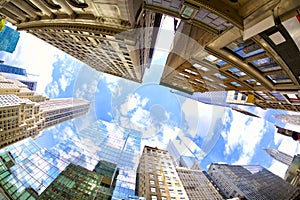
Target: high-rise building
x=206, y=66
x=13, y=86
x=27, y=170
x=280, y=156
x=76, y=182
x=157, y=177
x=19, y=74
x=251, y=182
x=292, y=174
x=106, y=142
x=112, y=37
x=24, y=114
x=225, y=45
x=197, y=185
x=8, y=39
x=291, y=119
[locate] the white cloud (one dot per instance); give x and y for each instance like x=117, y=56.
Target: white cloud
x=141, y=117
x=61, y=134
x=112, y=83
x=53, y=89
x=245, y=135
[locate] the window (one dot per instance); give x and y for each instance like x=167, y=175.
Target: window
x=208, y=79
x=151, y=175
x=162, y=190
x=152, y=182
x=153, y=189
x=153, y=197
x=160, y=183
x=219, y=76
x=187, y=12
x=266, y=64
x=164, y=198
x=244, y=49
x=197, y=66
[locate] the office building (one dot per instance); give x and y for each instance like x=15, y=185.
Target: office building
x=157, y=177
x=292, y=174
x=13, y=86
x=234, y=45
x=24, y=114
x=280, y=156
x=251, y=182
x=106, y=142
x=76, y=182
x=111, y=37
x=19, y=74
x=8, y=39
x=27, y=170
x=290, y=119
x=197, y=185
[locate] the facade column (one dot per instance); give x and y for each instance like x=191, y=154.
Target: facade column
x=24, y=6
x=15, y=11
x=66, y=7
x=43, y=7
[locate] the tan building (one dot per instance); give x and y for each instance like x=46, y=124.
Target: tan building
x=21, y=116
x=114, y=37
x=235, y=45
x=197, y=185
x=157, y=178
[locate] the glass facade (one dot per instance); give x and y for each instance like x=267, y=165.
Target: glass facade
x=108, y=142
x=8, y=39
x=75, y=182
x=27, y=170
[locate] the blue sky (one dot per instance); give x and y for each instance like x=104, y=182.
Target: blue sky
x=216, y=134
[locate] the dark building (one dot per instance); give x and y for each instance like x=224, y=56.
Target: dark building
x=252, y=182
x=74, y=182
x=294, y=134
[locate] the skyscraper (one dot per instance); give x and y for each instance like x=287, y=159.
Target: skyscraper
x=27, y=169
x=8, y=39
x=197, y=185
x=106, y=142
x=19, y=74
x=76, y=182
x=280, y=156
x=251, y=182
x=24, y=114
x=115, y=38
x=157, y=177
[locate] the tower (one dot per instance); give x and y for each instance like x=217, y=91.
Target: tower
x=251, y=182
x=24, y=113
x=106, y=147
x=197, y=185
x=280, y=156
x=157, y=177
x=115, y=38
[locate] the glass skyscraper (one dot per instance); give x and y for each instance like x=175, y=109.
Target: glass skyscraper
x=108, y=142
x=27, y=170
x=8, y=39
